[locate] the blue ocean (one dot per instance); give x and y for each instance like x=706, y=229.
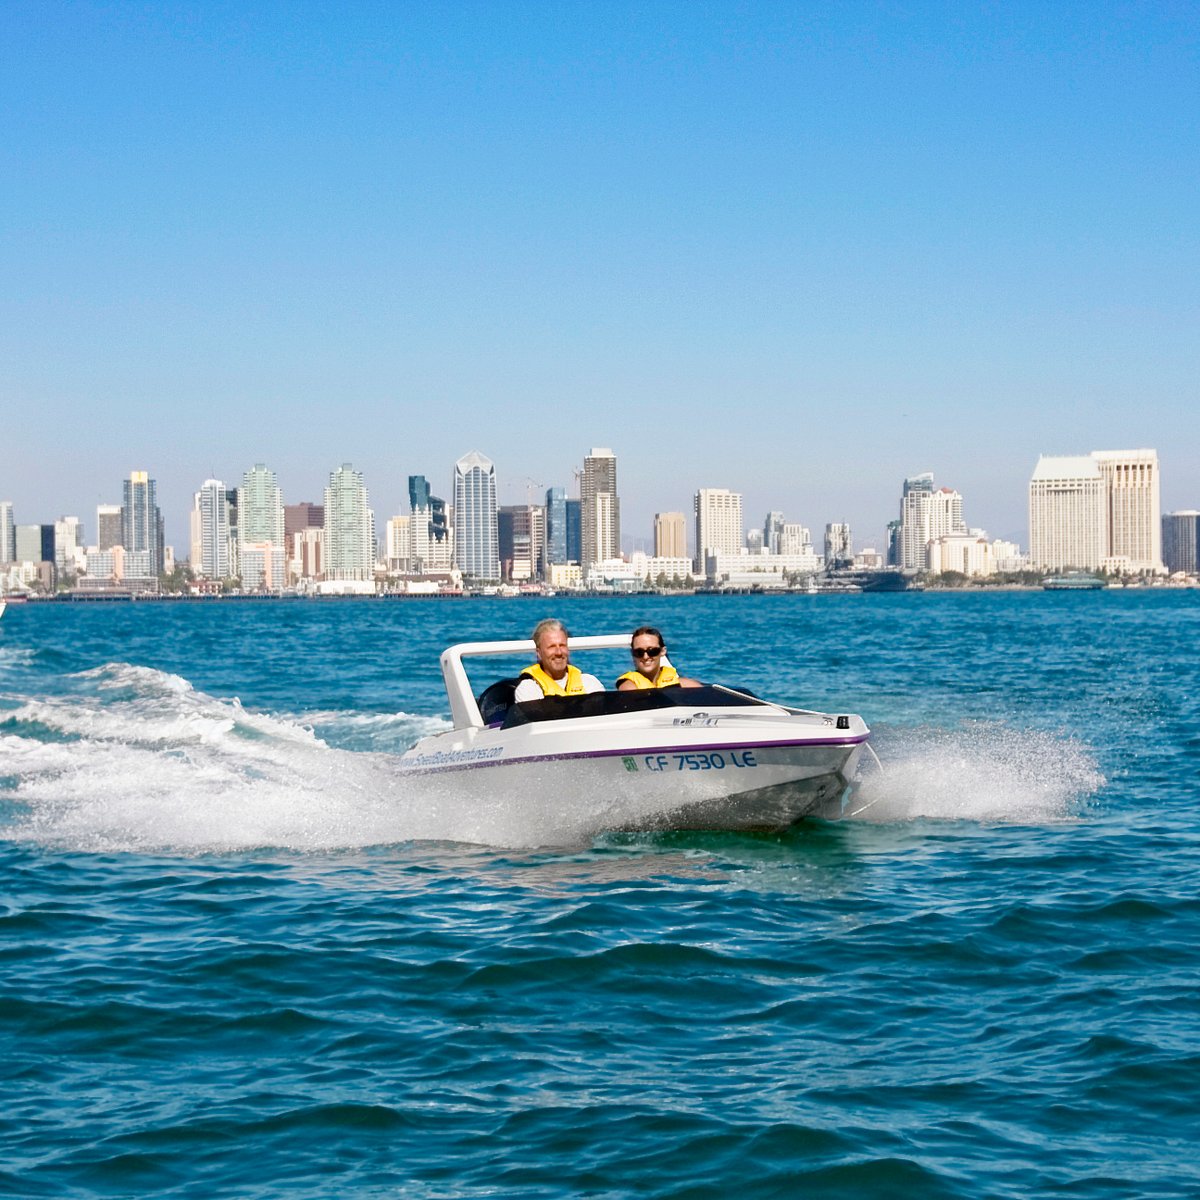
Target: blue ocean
x=242, y=959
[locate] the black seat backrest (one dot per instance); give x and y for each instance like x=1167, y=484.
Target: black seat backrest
x=496, y=699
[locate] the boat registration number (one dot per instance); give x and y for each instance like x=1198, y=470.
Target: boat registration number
x=714, y=761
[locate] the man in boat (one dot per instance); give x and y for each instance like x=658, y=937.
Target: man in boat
x=651, y=669
x=552, y=674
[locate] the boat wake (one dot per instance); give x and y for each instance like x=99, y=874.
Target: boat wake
x=129, y=759
x=986, y=771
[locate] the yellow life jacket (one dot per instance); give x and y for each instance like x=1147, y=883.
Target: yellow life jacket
x=571, y=686
x=667, y=677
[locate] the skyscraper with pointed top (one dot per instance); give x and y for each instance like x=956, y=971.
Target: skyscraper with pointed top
x=476, y=538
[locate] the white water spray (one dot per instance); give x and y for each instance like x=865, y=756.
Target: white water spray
x=137, y=760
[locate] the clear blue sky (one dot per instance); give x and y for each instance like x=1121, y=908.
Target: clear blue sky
x=796, y=250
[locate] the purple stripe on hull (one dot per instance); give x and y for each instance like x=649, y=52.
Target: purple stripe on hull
x=708, y=748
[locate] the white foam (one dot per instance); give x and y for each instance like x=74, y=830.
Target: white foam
x=138, y=760
x=984, y=772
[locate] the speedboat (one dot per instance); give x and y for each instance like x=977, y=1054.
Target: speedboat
x=712, y=757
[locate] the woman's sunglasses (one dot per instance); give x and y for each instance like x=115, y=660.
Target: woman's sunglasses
x=647, y=651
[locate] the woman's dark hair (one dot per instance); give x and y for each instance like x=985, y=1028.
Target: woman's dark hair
x=644, y=630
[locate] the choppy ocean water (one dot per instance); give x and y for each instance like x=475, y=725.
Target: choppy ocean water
x=239, y=960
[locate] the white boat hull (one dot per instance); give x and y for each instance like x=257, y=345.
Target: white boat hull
x=660, y=770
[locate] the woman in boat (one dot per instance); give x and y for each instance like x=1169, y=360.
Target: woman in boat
x=650, y=668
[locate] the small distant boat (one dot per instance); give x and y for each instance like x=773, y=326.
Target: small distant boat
x=1073, y=581
x=3, y=606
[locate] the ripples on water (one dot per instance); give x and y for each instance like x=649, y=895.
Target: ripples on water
x=237, y=963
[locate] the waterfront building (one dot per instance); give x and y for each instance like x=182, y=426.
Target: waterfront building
x=1181, y=541
x=109, y=523
x=893, y=543
x=926, y=513
x=398, y=542
x=520, y=533
x=564, y=575
x=1133, y=512
x=33, y=543
x=212, y=550
x=1068, y=523
x=670, y=535
x=773, y=533
x=261, y=529
x=304, y=529
x=600, y=509
x=718, y=524
x=794, y=539
x=638, y=571
x=476, y=545
x=263, y=566
x=104, y=567
x=764, y=570
x=69, y=553
x=556, y=525
x=754, y=541
x=304, y=515
x=574, y=530
x=260, y=508
x=1008, y=556
x=430, y=536
x=839, y=546
x=308, y=554
x=349, y=549
x=8, y=533
x=141, y=525
x=964, y=553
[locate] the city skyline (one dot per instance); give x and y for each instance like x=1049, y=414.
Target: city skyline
x=260, y=477
x=795, y=253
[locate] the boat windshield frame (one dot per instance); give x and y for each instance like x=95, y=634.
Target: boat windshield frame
x=618, y=703
x=464, y=707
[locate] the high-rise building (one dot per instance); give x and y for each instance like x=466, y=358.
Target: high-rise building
x=718, y=524
x=574, y=530
x=69, y=553
x=211, y=553
x=772, y=532
x=142, y=525
x=349, y=543
x=1133, y=514
x=435, y=541
x=33, y=543
x=1067, y=514
x=599, y=509
x=109, y=522
x=398, y=544
x=926, y=513
x=476, y=546
x=260, y=508
x=8, y=533
x=795, y=539
x=298, y=517
x=520, y=532
x=670, y=535
x=1181, y=541
x=1096, y=512
x=261, y=531
x=893, y=543
x=556, y=525
x=839, y=546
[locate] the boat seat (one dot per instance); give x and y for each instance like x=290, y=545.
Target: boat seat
x=496, y=699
